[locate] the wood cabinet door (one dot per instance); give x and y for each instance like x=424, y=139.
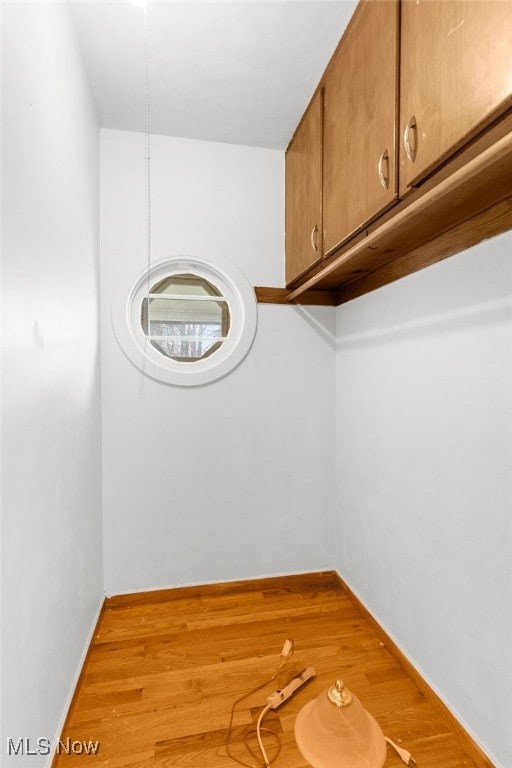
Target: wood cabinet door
x=303, y=196
x=456, y=77
x=360, y=122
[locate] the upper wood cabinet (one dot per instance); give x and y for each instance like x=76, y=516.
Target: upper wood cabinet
x=360, y=122
x=412, y=160
x=303, y=203
x=456, y=77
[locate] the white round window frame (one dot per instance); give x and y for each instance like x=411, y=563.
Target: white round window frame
x=126, y=321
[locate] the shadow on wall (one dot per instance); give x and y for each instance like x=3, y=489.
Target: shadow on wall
x=321, y=319
x=422, y=303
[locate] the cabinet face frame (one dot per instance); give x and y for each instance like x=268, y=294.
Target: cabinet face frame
x=303, y=193
x=360, y=122
x=446, y=96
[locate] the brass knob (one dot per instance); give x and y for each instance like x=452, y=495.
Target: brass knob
x=339, y=695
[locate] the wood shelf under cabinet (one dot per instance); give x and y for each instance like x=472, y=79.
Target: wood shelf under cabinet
x=469, y=197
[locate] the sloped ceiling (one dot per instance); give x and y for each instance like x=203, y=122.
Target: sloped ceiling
x=233, y=71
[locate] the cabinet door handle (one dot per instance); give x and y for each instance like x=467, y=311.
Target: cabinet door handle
x=314, y=242
x=384, y=177
x=410, y=151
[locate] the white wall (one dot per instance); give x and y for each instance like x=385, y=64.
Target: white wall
x=51, y=495
x=234, y=479
x=423, y=394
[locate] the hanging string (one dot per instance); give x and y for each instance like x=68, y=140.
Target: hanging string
x=147, y=161
x=147, y=196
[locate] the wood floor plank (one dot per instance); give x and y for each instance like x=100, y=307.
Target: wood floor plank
x=164, y=670
x=300, y=583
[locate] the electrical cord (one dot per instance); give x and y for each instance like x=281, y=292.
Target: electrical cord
x=286, y=654
x=403, y=754
x=257, y=756
x=258, y=735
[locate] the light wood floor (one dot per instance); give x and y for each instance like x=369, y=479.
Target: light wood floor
x=165, y=667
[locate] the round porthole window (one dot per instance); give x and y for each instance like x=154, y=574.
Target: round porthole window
x=186, y=321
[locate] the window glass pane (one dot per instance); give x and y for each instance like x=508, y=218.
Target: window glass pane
x=191, y=328
x=186, y=350
x=189, y=285
x=168, y=310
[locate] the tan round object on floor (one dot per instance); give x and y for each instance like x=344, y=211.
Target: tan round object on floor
x=335, y=731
